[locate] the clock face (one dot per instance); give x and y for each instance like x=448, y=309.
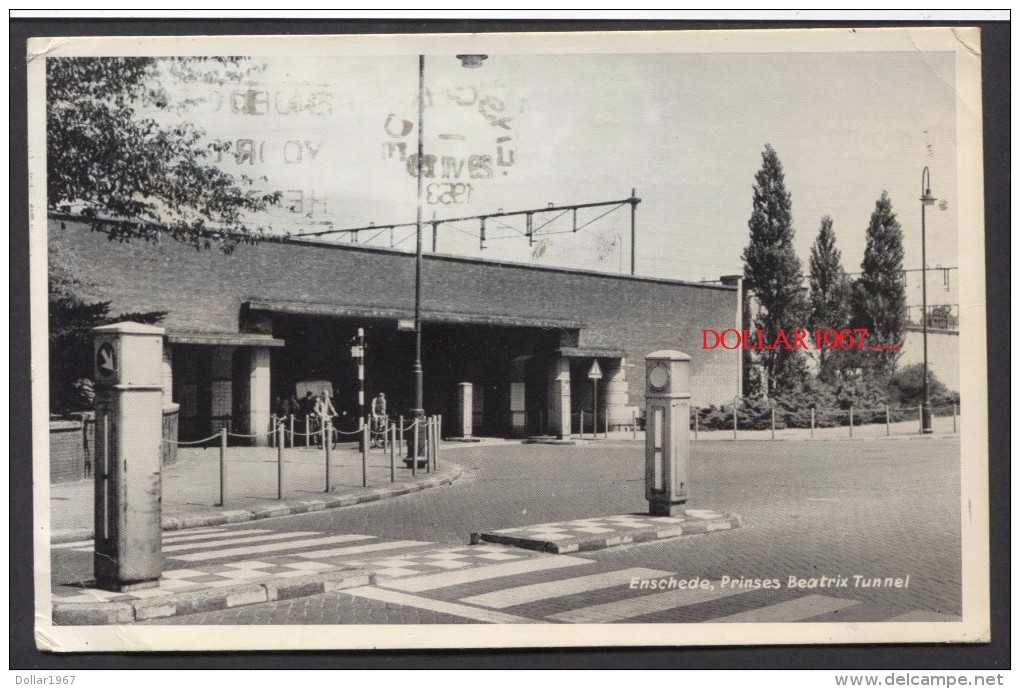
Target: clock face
x=658, y=377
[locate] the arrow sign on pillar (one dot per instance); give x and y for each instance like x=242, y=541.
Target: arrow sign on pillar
x=595, y=373
x=105, y=361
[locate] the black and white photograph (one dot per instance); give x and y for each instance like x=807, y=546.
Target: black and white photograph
x=670, y=338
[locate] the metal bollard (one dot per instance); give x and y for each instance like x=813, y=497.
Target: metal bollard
x=272, y=434
x=392, y=433
x=695, y=423
x=223, y=464
x=582, y=424
x=773, y=410
x=365, y=439
x=328, y=427
x=292, y=430
x=414, y=453
x=439, y=438
x=279, y=462
x=888, y=430
x=851, y=420
x=954, y=418
x=920, y=419
x=432, y=445
x=812, y=422
x=400, y=431
x=633, y=425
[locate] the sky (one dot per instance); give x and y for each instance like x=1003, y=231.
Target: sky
x=685, y=130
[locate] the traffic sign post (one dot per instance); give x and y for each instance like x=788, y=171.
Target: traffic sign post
x=594, y=374
x=128, y=477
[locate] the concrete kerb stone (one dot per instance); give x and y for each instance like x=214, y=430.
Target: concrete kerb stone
x=561, y=546
x=88, y=614
x=208, y=600
x=450, y=474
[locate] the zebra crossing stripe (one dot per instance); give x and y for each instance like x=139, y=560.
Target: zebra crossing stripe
x=203, y=536
x=791, y=610
x=455, y=609
x=643, y=605
x=427, y=582
x=564, y=587
x=74, y=545
x=358, y=549
x=234, y=541
x=191, y=534
x=269, y=547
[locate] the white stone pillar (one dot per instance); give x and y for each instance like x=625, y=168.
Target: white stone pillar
x=259, y=401
x=518, y=413
x=559, y=397
x=222, y=385
x=167, y=376
x=616, y=395
x=465, y=410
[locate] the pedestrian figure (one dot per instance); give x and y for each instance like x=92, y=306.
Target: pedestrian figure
x=379, y=418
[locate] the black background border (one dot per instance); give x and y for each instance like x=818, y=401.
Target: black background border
x=995, y=49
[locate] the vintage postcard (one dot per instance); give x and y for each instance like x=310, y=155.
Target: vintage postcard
x=663, y=338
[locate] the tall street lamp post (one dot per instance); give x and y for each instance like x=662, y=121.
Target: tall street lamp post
x=471, y=62
x=926, y=200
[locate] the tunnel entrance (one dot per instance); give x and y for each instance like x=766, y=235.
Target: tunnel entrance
x=506, y=365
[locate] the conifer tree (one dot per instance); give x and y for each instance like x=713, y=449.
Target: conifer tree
x=879, y=295
x=773, y=274
x=830, y=295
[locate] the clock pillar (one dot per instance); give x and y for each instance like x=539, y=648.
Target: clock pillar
x=667, y=426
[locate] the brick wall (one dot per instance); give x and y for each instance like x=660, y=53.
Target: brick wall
x=69, y=451
x=204, y=290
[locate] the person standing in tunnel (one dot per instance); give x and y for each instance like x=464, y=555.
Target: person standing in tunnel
x=379, y=418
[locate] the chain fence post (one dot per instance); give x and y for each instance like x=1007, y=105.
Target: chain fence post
x=581, y=413
x=223, y=465
x=272, y=430
x=734, y=421
x=812, y=422
x=430, y=431
x=400, y=432
x=292, y=430
x=920, y=419
x=328, y=426
x=773, y=410
x=695, y=423
x=414, y=452
x=392, y=433
x=954, y=418
x=633, y=424
x=365, y=439
x=279, y=460
x=888, y=429
x=851, y=420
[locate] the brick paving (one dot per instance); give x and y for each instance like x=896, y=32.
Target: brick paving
x=836, y=509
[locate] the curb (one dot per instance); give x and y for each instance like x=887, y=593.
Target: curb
x=210, y=600
x=390, y=490
x=692, y=527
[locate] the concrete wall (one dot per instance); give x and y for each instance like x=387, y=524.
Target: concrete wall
x=943, y=354
x=637, y=315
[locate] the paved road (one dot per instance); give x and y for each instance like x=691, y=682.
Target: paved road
x=886, y=508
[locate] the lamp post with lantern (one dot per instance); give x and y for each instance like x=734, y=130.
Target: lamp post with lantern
x=470, y=62
x=926, y=200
